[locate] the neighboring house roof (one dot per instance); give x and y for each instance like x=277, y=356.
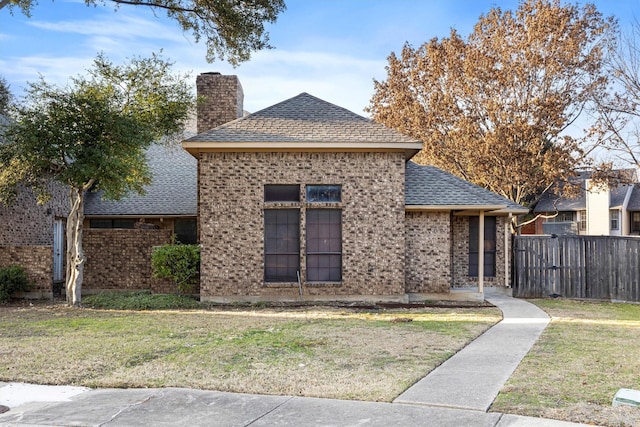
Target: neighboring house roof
x=173, y=191
x=303, y=121
x=550, y=202
x=634, y=200
x=428, y=187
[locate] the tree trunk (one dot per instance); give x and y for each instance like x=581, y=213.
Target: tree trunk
x=75, y=254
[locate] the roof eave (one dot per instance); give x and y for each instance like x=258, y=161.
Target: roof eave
x=441, y=208
x=409, y=148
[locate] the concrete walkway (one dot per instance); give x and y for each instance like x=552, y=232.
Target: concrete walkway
x=458, y=393
x=473, y=377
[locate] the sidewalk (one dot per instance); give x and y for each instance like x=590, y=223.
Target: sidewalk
x=473, y=377
x=458, y=393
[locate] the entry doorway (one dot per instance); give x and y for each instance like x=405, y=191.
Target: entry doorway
x=58, y=255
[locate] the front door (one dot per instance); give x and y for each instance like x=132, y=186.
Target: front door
x=58, y=250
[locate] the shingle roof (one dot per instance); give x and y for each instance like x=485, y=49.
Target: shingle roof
x=303, y=118
x=634, y=200
x=173, y=190
x=431, y=186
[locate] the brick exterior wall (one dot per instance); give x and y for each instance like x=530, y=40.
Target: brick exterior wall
x=120, y=260
x=26, y=236
x=460, y=254
x=37, y=260
x=428, y=254
x=231, y=205
x=27, y=223
x=223, y=100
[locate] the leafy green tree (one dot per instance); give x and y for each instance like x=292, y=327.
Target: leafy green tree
x=494, y=107
x=233, y=29
x=5, y=96
x=92, y=135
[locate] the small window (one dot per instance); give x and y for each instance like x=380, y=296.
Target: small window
x=186, y=231
x=582, y=224
x=562, y=216
x=614, y=218
x=324, y=193
x=281, y=193
x=111, y=223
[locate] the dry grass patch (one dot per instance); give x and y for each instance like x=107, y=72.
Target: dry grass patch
x=588, y=352
x=320, y=352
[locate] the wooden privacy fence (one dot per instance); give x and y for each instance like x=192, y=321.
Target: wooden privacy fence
x=590, y=267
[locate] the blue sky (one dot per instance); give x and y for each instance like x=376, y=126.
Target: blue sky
x=332, y=49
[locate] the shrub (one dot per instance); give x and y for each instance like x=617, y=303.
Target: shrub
x=179, y=263
x=12, y=279
x=139, y=301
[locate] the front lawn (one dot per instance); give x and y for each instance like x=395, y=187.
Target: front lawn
x=588, y=352
x=324, y=352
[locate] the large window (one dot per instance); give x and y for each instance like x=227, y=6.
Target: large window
x=281, y=245
x=489, y=246
x=324, y=245
x=283, y=216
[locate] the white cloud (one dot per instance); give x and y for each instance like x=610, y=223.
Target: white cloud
x=117, y=25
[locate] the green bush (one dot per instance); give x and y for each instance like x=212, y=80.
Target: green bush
x=179, y=263
x=12, y=279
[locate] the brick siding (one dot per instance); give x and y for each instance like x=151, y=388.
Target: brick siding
x=120, y=260
x=222, y=100
x=231, y=204
x=26, y=223
x=428, y=258
x=37, y=260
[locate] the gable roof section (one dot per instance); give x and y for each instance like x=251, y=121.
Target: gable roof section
x=303, y=122
x=173, y=190
x=431, y=188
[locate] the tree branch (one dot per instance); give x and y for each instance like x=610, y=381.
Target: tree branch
x=158, y=5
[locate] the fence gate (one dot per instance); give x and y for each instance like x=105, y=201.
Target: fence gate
x=592, y=267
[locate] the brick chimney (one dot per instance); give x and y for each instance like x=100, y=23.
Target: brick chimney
x=222, y=100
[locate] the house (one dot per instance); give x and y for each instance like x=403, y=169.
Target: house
x=303, y=199
x=597, y=208
x=307, y=199
x=32, y=236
